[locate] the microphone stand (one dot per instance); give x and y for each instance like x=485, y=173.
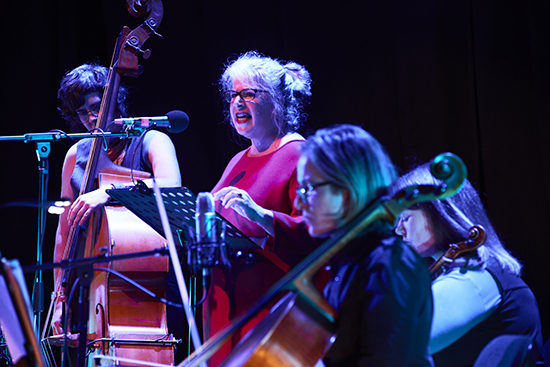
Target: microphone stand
x=42, y=152
x=43, y=148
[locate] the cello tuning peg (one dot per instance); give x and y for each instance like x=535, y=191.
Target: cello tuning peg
x=440, y=189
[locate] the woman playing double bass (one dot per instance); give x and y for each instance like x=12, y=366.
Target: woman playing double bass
x=80, y=94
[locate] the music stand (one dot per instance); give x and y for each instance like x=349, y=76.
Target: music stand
x=180, y=205
x=15, y=317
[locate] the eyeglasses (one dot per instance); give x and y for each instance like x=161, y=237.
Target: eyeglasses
x=246, y=94
x=84, y=114
x=302, y=191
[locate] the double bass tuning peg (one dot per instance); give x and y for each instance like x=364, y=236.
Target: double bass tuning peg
x=152, y=24
x=135, y=39
x=134, y=43
x=146, y=54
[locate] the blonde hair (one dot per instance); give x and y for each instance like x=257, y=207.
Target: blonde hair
x=353, y=160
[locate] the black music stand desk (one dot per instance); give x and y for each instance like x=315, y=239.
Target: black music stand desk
x=180, y=205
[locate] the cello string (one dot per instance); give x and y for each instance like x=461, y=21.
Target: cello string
x=44, y=343
x=48, y=353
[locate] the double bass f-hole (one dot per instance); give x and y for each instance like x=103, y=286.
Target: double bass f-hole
x=99, y=309
x=476, y=238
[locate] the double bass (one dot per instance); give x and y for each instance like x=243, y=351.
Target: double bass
x=123, y=321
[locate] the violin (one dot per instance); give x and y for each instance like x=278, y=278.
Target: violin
x=476, y=236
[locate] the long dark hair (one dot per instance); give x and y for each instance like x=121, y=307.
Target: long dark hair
x=452, y=218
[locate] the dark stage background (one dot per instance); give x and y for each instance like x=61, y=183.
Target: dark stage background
x=424, y=77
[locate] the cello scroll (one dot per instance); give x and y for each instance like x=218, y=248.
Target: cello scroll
x=446, y=167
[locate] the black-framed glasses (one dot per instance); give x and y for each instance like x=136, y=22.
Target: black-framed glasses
x=246, y=94
x=83, y=114
x=302, y=191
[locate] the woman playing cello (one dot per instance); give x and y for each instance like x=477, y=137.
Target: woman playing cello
x=378, y=286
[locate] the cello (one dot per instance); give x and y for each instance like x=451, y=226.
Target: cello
x=118, y=327
x=301, y=328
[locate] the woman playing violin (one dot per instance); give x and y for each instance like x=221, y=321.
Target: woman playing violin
x=80, y=94
x=379, y=286
x=479, y=295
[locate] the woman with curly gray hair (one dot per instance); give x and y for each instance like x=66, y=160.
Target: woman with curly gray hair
x=265, y=100
x=285, y=86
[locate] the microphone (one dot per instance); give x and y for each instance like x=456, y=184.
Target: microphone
x=208, y=246
x=204, y=253
x=175, y=121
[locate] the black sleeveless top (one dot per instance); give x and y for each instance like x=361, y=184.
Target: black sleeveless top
x=133, y=158
x=517, y=313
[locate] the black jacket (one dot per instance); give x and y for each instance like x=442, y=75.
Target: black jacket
x=381, y=290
